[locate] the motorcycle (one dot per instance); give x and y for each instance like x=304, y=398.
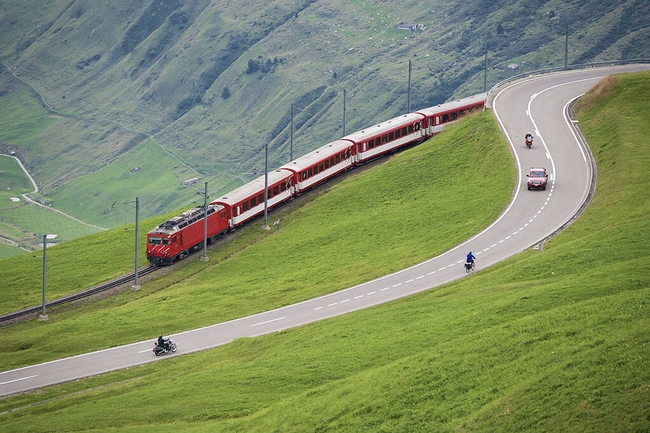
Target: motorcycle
x=469, y=266
x=169, y=346
x=529, y=142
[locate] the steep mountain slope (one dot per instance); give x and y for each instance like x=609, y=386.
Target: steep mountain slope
x=213, y=82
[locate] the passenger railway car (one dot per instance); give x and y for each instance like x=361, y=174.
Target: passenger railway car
x=387, y=136
x=179, y=236
x=321, y=164
x=437, y=116
x=247, y=201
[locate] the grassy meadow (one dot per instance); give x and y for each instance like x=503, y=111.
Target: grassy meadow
x=545, y=341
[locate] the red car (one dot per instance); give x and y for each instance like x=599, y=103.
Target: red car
x=537, y=178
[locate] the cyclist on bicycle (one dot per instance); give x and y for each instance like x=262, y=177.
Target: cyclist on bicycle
x=470, y=258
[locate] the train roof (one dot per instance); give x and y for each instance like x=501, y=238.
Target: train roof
x=252, y=188
x=187, y=217
x=389, y=125
x=481, y=97
x=320, y=154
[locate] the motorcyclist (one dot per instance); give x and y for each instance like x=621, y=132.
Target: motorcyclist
x=529, y=136
x=163, y=342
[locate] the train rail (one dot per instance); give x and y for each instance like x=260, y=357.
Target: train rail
x=113, y=284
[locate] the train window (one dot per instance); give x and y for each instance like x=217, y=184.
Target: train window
x=253, y=202
x=223, y=214
x=403, y=131
x=338, y=159
x=260, y=198
x=327, y=164
x=371, y=143
x=309, y=173
x=155, y=241
x=283, y=187
x=391, y=136
x=454, y=115
x=417, y=126
x=320, y=167
x=462, y=112
x=245, y=206
x=276, y=190
x=174, y=239
x=445, y=118
x=332, y=162
x=398, y=133
x=165, y=241
x=410, y=129
x=315, y=170
x=384, y=139
x=347, y=153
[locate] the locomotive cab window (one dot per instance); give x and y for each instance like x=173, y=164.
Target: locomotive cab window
x=155, y=241
x=165, y=241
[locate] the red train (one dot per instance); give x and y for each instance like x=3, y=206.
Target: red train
x=176, y=238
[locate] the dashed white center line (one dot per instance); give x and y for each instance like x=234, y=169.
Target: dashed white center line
x=268, y=321
x=18, y=380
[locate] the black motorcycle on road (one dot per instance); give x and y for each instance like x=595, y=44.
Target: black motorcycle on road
x=167, y=346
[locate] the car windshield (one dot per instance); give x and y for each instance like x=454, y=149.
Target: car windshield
x=536, y=174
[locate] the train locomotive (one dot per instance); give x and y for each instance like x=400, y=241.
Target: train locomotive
x=177, y=237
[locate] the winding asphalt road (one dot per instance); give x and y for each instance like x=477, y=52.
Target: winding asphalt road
x=537, y=104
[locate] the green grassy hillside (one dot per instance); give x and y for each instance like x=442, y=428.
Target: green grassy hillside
x=545, y=341
x=213, y=82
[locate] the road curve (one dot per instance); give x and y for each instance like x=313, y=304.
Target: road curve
x=536, y=104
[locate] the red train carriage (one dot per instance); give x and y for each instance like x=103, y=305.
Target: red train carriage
x=247, y=201
x=387, y=136
x=321, y=164
x=184, y=233
x=450, y=111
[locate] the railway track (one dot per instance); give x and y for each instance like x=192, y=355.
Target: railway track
x=22, y=314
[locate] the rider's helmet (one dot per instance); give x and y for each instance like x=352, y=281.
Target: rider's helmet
x=470, y=252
